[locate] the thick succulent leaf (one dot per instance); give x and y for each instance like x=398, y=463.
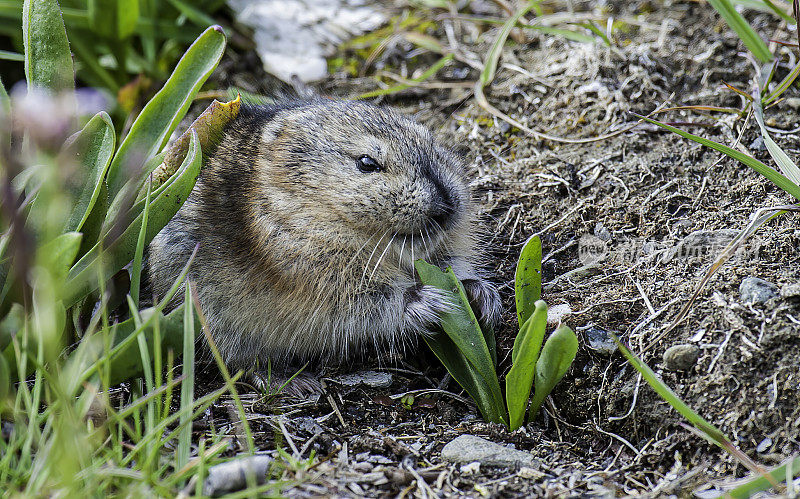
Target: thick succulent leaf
x=557, y=355
x=528, y=279
x=773, y=175
x=209, y=127
x=461, y=327
x=48, y=62
x=114, y=19
x=519, y=379
x=161, y=115
x=58, y=254
x=107, y=258
x=122, y=202
x=92, y=149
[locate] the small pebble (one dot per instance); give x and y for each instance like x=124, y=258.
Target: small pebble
x=471, y=469
x=600, y=340
x=681, y=357
x=758, y=145
x=757, y=291
x=791, y=291
x=233, y=475
x=469, y=448
x=372, y=379
x=793, y=102
x=764, y=445
x=602, y=232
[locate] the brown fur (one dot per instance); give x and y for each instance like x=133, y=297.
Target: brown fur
x=302, y=255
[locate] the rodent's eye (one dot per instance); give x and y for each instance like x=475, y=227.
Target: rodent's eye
x=368, y=165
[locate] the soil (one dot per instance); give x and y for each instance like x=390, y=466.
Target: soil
x=619, y=220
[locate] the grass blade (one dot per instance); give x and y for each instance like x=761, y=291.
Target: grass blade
x=397, y=88
x=136, y=266
x=759, y=484
x=774, y=176
x=187, y=387
x=786, y=165
x=712, y=432
x=749, y=37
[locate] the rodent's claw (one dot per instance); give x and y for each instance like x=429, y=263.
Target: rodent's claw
x=424, y=306
x=485, y=299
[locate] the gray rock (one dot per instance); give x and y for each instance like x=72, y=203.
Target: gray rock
x=373, y=379
x=602, y=232
x=293, y=37
x=600, y=340
x=469, y=448
x=233, y=475
x=681, y=357
x=793, y=102
x=758, y=145
x=757, y=291
x=791, y=291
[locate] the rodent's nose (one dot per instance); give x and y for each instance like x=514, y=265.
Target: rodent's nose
x=444, y=205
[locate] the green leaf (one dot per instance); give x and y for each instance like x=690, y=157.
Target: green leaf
x=58, y=254
x=48, y=62
x=108, y=257
x=91, y=228
x=749, y=37
x=92, y=149
x=528, y=279
x=519, y=379
x=774, y=176
x=161, y=115
x=557, y=355
x=114, y=19
x=476, y=371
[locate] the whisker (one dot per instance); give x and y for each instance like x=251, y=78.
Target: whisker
x=380, y=258
x=366, y=265
x=424, y=243
x=402, y=247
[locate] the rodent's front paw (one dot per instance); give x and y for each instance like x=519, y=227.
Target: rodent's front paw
x=424, y=305
x=485, y=301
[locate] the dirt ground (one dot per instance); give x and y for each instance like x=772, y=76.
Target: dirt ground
x=638, y=199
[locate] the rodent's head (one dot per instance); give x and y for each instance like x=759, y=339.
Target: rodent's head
x=363, y=171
